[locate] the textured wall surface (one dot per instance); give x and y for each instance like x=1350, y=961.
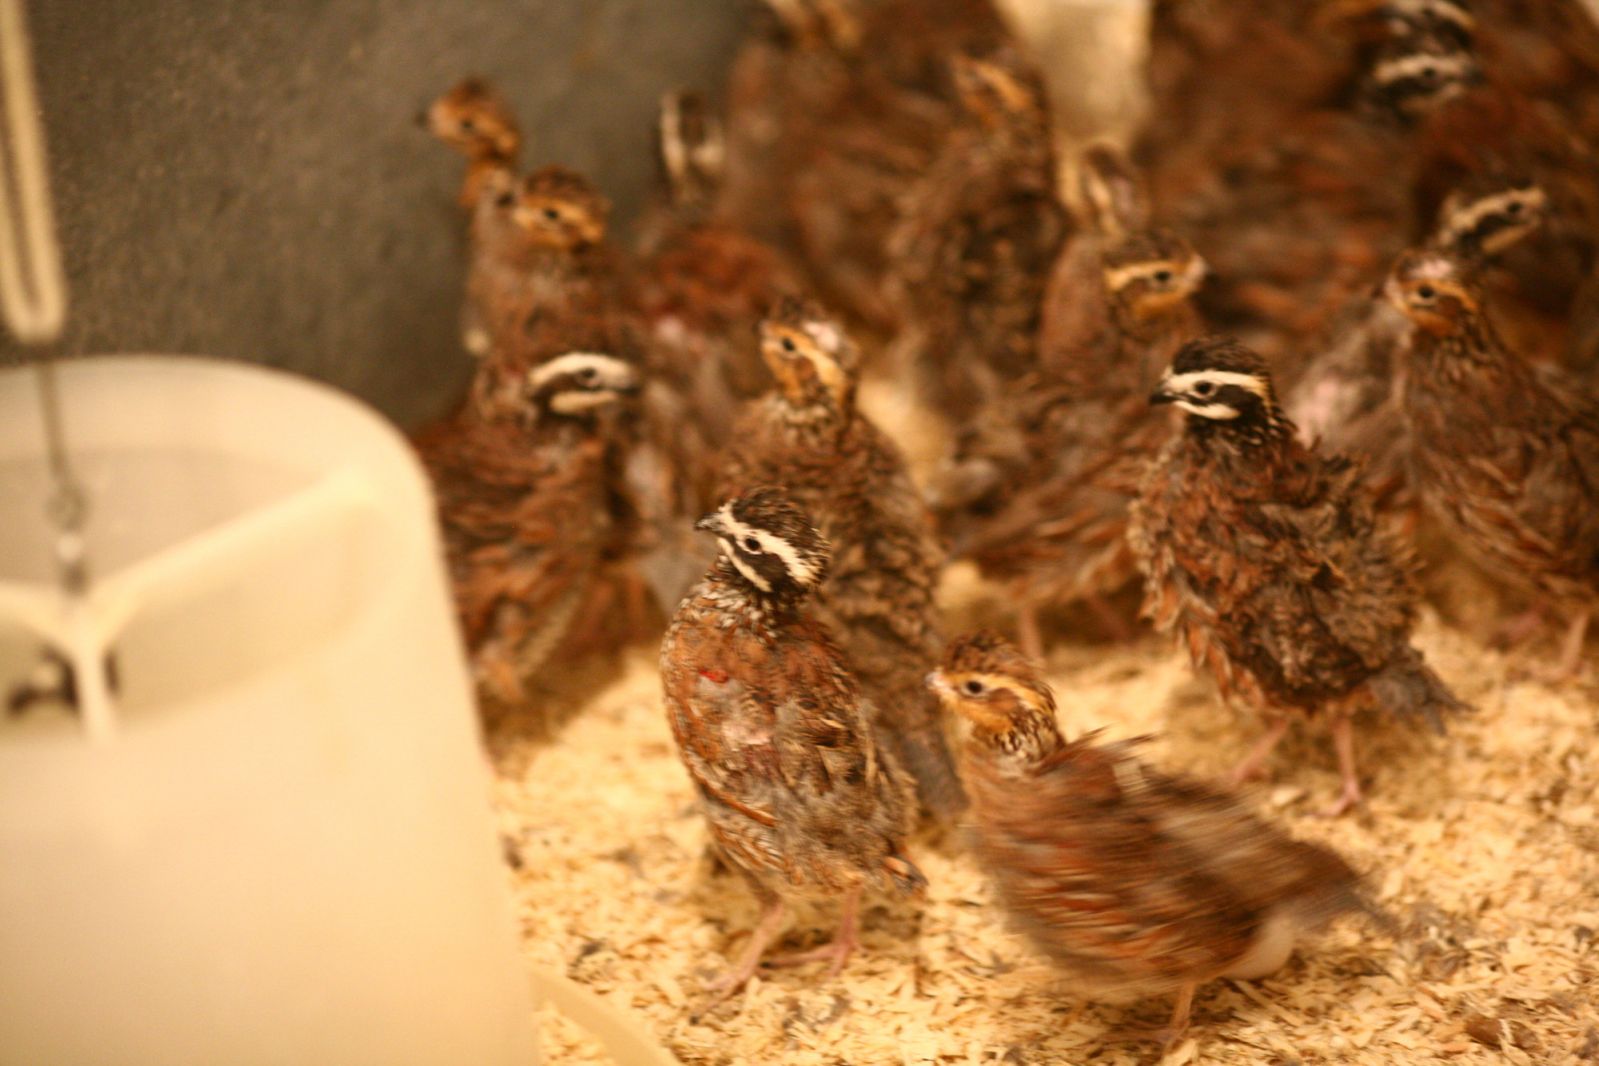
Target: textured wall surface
x=246, y=180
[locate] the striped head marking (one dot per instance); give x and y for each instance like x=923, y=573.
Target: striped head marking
x=581, y=383
x=1218, y=379
x=770, y=542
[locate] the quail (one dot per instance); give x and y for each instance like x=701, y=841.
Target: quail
x=1133, y=881
x=978, y=234
x=775, y=730
x=541, y=267
x=1505, y=456
x=528, y=503
x=1266, y=560
x=474, y=119
x=1344, y=397
x=808, y=437
x=1038, y=486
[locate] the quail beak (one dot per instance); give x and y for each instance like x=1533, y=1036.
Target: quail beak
x=711, y=523
x=935, y=681
x=1162, y=393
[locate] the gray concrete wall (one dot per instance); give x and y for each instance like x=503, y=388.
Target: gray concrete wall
x=245, y=179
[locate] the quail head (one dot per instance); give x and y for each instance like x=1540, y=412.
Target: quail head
x=527, y=503
x=978, y=234
x=1507, y=457
x=808, y=437
x=1133, y=881
x=776, y=733
x=474, y=119
x=1266, y=560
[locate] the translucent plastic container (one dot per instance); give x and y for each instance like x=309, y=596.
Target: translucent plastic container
x=274, y=844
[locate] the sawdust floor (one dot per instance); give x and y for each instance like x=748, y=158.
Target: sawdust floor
x=1484, y=845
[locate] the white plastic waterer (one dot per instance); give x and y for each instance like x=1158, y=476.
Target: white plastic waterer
x=283, y=851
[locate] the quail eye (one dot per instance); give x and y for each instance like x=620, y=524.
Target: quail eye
x=552, y=214
x=751, y=544
x=1204, y=388
x=1426, y=292
x=505, y=199
x=1163, y=276
x=973, y=688
x=788, y=344
x=1429, y=73
x=467, y=125
x=588, y=373
x=1514, y=207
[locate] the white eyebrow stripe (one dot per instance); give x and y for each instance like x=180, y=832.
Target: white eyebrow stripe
x=1182, y=383
x=610, y=367
x=1439, y=9
x=1121, y=277
x=1467, y=220
x=802, y=570
x=1392, y=70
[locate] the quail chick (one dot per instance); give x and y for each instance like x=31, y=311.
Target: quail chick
x=809, y=438
x=474, y=119
x=1133, y=881
x=1508, y=458
x=1266, y=560
x=1038, y=487
x=775, y=732
x=528, y=501
x=1345, y=398
x=541, y=270
x=978, y=234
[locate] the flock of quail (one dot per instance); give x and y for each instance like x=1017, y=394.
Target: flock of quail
x=1355, y=247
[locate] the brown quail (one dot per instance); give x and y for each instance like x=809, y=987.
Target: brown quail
x=1264, y=557
x=1133, y=881
x=1507, y=457
x=775, y=730
x=527, y=498
x=809, y=438
x=978, y=234
x=1038, y=486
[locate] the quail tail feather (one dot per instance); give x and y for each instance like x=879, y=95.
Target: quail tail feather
x=1408, y=686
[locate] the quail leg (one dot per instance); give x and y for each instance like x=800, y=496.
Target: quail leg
x=1570, y=662
x=1027, y=631
x=1249, y=766
x=1108, y=617
x=1343, y=730
x=1168, y=1035
x=840, y=948
x=761, y=938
